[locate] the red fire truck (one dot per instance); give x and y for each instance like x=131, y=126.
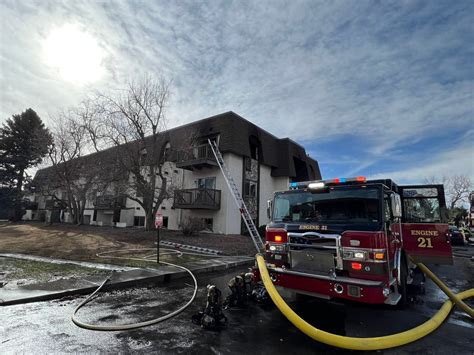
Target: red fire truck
x=352, y=238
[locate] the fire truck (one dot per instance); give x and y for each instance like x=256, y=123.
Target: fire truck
x=354, y=238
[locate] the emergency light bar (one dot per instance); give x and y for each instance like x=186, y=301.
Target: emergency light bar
x=320, y=184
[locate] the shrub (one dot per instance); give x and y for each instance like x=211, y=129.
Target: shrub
x=191, y=226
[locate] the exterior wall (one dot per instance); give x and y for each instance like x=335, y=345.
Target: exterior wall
x=104, y=217
x=268, y=185
x=28, y=216
x=88, y=216
x=235, y=166
x=226, y=220
x=127, y=216
x=134, y=209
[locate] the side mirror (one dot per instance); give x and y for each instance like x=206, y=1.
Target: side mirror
x=396, y=203
x=269, y=209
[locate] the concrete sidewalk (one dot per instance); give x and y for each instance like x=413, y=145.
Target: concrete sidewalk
x=124, y=278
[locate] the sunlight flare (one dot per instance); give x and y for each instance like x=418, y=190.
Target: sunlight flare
x=75, y=54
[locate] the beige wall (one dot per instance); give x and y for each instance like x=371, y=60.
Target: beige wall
x=268, y=185
x=226, y=220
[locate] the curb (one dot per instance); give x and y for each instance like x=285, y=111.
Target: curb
x=148, y=281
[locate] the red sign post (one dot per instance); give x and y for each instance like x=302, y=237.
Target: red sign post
x=158, y=220
x=158, y=225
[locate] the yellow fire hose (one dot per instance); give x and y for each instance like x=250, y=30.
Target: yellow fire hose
x=376, y=343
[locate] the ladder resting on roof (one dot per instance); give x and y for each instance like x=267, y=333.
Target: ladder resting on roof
x=244, y=212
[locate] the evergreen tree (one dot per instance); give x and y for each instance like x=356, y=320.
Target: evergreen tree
x=24, y=142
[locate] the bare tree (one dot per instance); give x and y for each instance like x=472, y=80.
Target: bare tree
x=131, y=121
x=75, y=179
x=457, y=188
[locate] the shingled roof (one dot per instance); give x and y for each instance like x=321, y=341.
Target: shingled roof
x=235, y=133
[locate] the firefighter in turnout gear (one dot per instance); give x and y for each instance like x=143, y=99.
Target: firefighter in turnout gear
x=212, y=316
x=241, y=287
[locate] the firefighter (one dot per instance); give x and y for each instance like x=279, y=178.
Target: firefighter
x=212, y=316
x=260, y=294
x=248, y=284
x=241, y=287
x=237, y=289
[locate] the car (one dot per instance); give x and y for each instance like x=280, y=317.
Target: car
x=457, y=237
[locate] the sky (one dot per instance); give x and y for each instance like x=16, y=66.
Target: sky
x=374, y=88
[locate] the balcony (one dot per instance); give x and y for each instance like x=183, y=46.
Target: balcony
x=109, y=202
x=204, y=199
x=196, y=157
x=54, y=204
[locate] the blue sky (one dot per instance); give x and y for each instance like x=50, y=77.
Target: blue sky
x=376, y=88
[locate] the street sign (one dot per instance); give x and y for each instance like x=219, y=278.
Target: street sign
x=158, y=220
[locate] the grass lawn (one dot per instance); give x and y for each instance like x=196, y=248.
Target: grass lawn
x=38, y=271
x=83, y=243
x=66, y=241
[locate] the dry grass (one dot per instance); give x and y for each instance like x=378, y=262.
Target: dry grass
x=83, y=242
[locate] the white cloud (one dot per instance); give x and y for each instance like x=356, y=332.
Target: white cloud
x=389, y=73
x=457, y=161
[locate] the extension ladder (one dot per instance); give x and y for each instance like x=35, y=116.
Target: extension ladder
x=244, y=212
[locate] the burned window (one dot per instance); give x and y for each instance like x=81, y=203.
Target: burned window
x=254, y=144
x=247, y=164
x=166, y=153
x=250, y=189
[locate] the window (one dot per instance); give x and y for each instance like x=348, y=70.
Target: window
x=143, y=155
x=208, y=222
x=421, y=210
x=387, y=211
x=250, y=189
x=206, y=183
x=420, y=192
x=166, y=153
x=254, y=145
x=421, y=205
x=139, y=221
x=349, y=206
x=165, y=221
x=247, y=164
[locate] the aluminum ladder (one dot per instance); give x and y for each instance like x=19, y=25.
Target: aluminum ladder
x=244, y=212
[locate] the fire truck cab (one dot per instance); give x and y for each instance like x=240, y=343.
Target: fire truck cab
x=351, y=238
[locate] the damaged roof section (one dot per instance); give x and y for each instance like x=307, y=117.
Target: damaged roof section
x=237, y=135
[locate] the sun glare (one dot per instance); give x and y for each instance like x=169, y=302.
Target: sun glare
x=75, y=53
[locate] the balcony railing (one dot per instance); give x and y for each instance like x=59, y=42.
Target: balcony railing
x=208, y=199
x=54, y=204
x=198, y=156
x=109, y=202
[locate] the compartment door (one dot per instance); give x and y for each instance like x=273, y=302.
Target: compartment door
x=425, y=230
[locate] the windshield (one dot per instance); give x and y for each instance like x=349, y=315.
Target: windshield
x=339, y=206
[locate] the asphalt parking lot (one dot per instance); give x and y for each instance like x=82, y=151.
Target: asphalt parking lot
x=45, y=327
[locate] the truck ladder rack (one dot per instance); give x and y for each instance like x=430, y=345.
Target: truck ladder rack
x=244, y=212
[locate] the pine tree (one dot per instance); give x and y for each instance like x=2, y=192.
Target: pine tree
x=24, y=142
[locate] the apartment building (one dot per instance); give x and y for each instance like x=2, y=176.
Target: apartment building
x=259, y=162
